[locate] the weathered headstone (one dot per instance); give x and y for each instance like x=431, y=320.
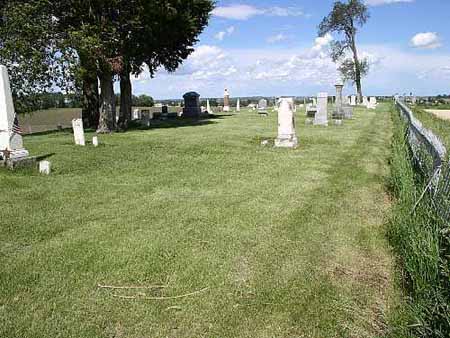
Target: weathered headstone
x=353, y=100
x=365, y=101
x=262, y=107
x=11, y=144
x=208, y=107
x=191, y=105
x=287, y=137
x=95, y=141
x=238, y=105
x=321, y=117
x=339, y=103
x=45, y=167
x=136, y=114
x=372, y=103
x=78, y=132
x=164, y=110
x=226, y=101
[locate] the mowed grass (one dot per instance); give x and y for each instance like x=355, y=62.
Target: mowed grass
x=288, y=243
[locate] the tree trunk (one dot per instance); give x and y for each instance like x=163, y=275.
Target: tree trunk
x=107, y=120
x=357, y=71
x=90, y=100
x=125, y=100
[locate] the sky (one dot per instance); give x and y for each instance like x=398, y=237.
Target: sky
x=271, y=48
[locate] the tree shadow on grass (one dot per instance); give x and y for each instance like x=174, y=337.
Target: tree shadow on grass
x=178, y=122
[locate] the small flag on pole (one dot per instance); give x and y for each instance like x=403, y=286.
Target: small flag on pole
x=16, y=128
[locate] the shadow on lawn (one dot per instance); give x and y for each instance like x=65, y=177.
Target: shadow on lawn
x=177, y=123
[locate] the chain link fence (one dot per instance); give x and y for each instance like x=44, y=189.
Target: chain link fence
x=430, y=161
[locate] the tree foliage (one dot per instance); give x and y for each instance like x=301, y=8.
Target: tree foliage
x=345, y=20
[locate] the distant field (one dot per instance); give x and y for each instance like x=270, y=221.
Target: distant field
x=442, y=114
x=437, y=122
x=47, y=120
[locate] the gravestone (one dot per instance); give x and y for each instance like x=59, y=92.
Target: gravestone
x=339, y=103
x=353, y=100
x=136, y=114
x=78, y=132
x=145, y=117
x=238, y=105
x=365, y=101
x=372, y=103
x=191, y=105
x=164, y=110
x=11, y=144
x=45, y=167
x=226, y=101
x=287, y=137
x=95, y=141
x=262, y=107
x=208, y=107
x=321, y=117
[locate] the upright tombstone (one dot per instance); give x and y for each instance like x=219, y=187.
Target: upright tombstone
x=287, y=137
x=208, y=107
x=191, y=105
x=321, y=117
x=238, y=105
x=353, y=100
x=226, y=101
x=165, y=110
x=78, y=132
x=136, y=114
x=45, y=167
x=339, y=103
x=11, y=144
x=365, y=101
x=372, y=103
x=262, y=107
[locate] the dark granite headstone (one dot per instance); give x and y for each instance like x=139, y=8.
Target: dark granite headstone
x=191, y=105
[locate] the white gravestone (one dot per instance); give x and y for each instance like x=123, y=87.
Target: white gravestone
x=365, y=101
x=321, y=117
x=208, y=107
x=372, y=103
x=353, y=100
x=136, y=114
x=287, y=137
x=11, y=144
x=78, y=132
x=238, y=105
x=45, y=167
x=95, y=141
x=226, y=101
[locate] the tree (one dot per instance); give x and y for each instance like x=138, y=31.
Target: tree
x=344, y=19
x=30, y=50
x=156, y=33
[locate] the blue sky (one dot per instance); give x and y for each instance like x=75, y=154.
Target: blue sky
x=270, y=47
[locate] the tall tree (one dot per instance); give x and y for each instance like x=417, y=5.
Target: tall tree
x=156, y=33
x=31, y=51
x=344, y=19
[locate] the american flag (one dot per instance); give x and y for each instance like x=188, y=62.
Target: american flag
x=15, y=128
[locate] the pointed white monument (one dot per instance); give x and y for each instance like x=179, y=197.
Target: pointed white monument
x=353, y=100
x=321, y=117
x=226, y=101
x=208, y=107
x=238, y=105
x=287, y=137
x=11, y=145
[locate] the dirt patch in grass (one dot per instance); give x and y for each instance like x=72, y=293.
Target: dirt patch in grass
x=442, y=114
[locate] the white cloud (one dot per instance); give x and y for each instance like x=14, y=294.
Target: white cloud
x=427, y=40
x=276, y=38
x=385, y=2
x=221, y=35
x=245, y=12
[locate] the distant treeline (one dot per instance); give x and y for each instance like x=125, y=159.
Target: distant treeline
x=59, y=100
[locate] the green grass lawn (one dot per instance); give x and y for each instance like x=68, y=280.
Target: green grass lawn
x=288, y=243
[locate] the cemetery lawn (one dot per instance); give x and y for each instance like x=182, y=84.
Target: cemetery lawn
x=271, y=242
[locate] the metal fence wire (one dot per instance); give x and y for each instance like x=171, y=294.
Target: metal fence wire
x=430, y=161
